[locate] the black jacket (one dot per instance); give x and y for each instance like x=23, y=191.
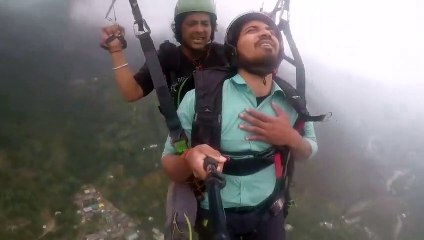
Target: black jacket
x=178, y=68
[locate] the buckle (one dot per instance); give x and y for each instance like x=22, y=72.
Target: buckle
x=141, y=27
x=277, y=206
x=180, y=146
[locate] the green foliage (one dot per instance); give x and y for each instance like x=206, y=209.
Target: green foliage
x=62, y=126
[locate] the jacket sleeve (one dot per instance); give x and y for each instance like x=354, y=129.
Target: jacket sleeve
x=144, y=79
x=168, y=56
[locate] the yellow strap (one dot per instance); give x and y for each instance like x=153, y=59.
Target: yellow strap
x=190, y=233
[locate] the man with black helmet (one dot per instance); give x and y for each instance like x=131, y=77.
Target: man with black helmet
x=255, y=117
x=194, y=27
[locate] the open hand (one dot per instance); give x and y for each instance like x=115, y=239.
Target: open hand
x=275, y=130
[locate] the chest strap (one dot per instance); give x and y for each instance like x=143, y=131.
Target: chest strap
x=247, y=163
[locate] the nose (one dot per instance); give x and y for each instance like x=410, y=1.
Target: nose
x=200, y=28
x=265, y=33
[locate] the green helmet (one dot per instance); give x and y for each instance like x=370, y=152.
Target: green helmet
x=184, y=6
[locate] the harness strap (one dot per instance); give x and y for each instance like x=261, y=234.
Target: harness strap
x=207, y=129
x=280, y=199
x=247, y=163
x=166, y=107
x=290, y=165
x=278, y=165
x=269, y=202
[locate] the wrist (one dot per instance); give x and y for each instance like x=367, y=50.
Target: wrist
x=115, y=49
x=296, y=141
x=120, y=66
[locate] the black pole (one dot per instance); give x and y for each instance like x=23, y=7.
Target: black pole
x=214, y=183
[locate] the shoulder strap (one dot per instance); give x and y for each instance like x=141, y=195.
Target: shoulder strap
x=169, y=56
x=167, y=107
x=297, y=102
x=206, y=127
x=220, y=51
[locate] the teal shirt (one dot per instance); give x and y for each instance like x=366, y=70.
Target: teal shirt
x=248, y=190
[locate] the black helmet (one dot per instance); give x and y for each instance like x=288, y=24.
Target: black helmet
x=233, y=32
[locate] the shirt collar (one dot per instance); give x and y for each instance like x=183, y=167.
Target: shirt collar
x=275, y=89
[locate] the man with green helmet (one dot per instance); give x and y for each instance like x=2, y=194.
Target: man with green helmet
x=195, y=23
x=194, y=26
x=183, y=9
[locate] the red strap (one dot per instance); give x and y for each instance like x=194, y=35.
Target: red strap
x=299, y=126
x=278, y=165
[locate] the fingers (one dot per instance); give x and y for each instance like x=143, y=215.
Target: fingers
x=197, y=156
x=121, y=30
x=258, y=115
x=278, y=111
x=109, y=30
x=257, y=138
x=252, y=129
x=196, y=165
x=201, y=173
x=208, y=151
x=247, y=117
x=220, y=167
x=113, y=30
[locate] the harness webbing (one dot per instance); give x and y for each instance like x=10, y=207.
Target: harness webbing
x=206, y=129
x=166, y=105
x=282, y=8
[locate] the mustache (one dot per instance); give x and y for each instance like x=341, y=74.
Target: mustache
x=265, y=39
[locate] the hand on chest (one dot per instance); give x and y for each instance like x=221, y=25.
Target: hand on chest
x=234, y=104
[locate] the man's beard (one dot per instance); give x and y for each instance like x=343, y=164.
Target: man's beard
x=197, y=53
x=260, y=66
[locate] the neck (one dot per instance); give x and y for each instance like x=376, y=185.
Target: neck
x=256, y=82
x=194, y=55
